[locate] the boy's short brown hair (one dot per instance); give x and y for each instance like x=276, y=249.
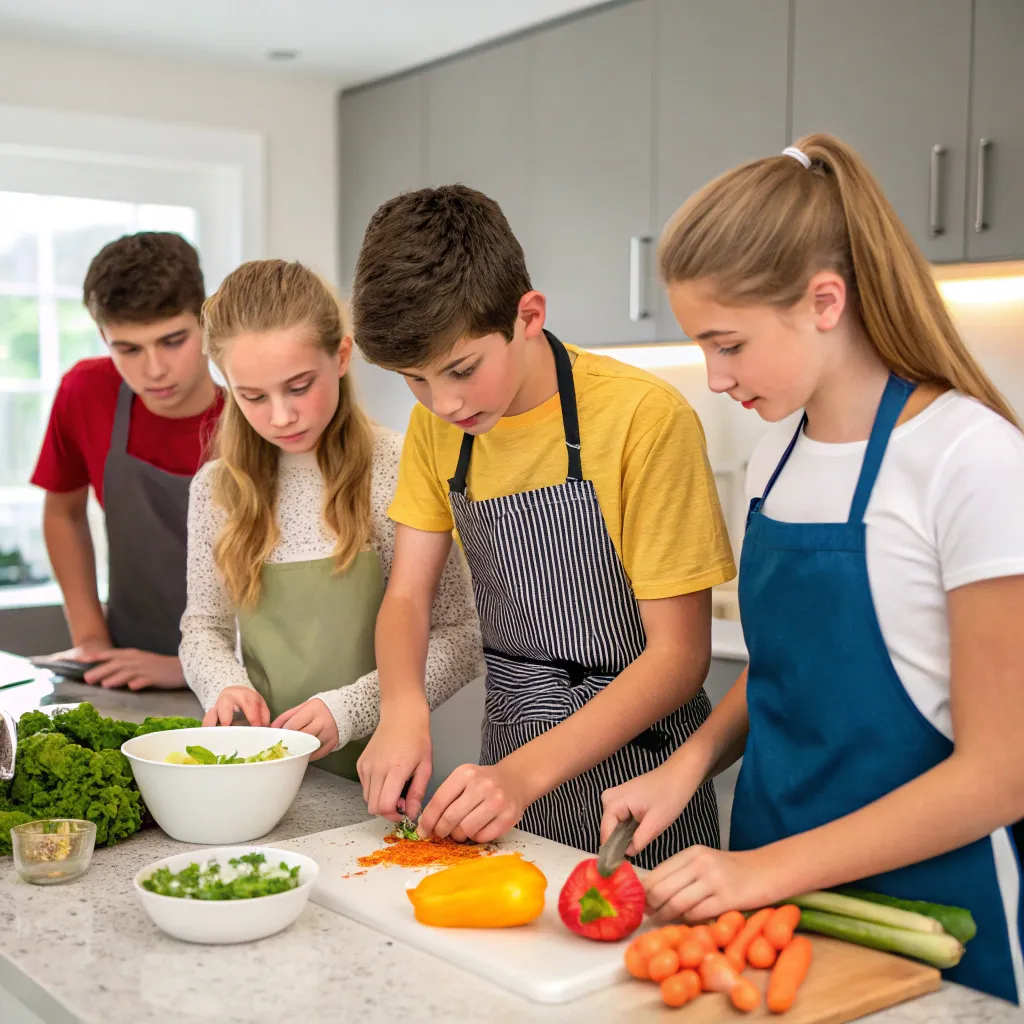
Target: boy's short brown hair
x=435, y=266
x=137, y=279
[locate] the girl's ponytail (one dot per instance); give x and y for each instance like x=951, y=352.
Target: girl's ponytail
x=762, y=230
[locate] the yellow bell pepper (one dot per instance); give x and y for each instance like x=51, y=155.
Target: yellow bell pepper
x=492, y=892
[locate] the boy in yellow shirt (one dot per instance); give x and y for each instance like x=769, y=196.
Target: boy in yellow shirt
x=580, y=491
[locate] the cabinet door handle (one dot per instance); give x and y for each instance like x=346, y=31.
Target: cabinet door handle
x=637, y=278
x=980, y=222
x=935, y=225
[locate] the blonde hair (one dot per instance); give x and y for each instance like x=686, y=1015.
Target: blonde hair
x=259, y=297
x=761, y=231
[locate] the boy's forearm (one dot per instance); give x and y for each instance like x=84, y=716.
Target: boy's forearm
x=653, y=686
x=401, y=639
x=69, y=546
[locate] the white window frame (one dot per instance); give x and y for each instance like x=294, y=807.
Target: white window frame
x=218, y=172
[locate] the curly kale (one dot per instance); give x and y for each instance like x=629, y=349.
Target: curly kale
x=56, y=778
x=69, y=765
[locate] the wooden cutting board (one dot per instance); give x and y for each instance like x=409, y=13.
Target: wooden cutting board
x=545, y=962
x=845, y=982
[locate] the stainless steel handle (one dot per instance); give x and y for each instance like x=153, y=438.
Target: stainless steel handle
x=637, y=278
x=935, y=225
x=980, y=223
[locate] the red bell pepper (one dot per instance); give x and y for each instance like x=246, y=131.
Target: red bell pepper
x=607, y=909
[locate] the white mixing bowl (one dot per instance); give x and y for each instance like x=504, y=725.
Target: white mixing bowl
x=218, y=803
x=223, y=921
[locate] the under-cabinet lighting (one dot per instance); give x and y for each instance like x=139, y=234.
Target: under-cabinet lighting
x=655, y=357
x=982, y=291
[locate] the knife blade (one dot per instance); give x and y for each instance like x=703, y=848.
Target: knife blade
x=613, y=849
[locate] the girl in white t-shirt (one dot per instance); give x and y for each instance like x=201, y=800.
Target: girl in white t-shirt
x=881, y=719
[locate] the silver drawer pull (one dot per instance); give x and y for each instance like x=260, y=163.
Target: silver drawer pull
x=935, y=225
x=980, y=222
x=637, y=278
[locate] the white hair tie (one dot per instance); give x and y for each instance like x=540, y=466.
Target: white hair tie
x=798, y=154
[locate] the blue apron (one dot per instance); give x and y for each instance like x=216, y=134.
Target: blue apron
x=832, y=728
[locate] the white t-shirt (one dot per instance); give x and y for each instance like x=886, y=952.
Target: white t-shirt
x=947, y=510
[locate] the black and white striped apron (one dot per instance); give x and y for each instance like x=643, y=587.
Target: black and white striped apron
x=560, y=622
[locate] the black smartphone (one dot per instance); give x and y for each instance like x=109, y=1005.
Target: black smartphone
x=65, y=668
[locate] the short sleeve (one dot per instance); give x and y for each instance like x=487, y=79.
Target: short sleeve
x=674, y=538
x=976, y=503
x=61, y=466
x=421, y=497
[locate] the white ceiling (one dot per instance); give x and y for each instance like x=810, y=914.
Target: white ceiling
x=351, y=40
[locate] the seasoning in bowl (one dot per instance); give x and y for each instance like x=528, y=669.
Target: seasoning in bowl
x=53, y=850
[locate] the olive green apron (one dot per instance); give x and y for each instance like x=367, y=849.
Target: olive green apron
x=312, y=630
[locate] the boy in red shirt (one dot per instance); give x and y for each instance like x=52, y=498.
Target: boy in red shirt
x=134, y=426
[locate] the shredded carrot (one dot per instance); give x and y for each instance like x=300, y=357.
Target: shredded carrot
x=422, y=853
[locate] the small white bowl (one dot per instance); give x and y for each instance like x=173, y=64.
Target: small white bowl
x=218, y=922
x=218, y=804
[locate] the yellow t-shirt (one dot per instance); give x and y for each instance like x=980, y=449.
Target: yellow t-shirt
x=641, y=444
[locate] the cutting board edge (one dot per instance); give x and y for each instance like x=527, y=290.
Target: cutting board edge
x=537, y=993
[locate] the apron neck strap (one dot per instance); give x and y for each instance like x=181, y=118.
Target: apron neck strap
x=122, y=419
x=570, y=422
x=894, y=398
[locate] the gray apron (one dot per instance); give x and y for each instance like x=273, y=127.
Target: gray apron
x=560, y=622
x=146, y=511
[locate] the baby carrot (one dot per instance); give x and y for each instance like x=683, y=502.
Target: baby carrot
x=663, y=965
x=761, y=954
x=650, y=943
x=691, y=952
x=680, y=988
x=703, y=933
x=636, y=961
x=718, y=975
x=727, y=927
x=673, y=934
x=788, y=974
x=779, y=930
x=737, y=949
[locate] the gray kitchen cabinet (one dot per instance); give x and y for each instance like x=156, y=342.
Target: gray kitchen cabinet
x=479, y=127
x=381, y=140
x=995, y=159
x=892, y=78
x=591, y=183
x=720, y=98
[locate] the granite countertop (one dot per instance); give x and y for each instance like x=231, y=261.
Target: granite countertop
x=86, y=952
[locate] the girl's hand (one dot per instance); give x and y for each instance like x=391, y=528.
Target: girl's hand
x=238, y=698
x=701, y=883
x=655, y=800
x=314, y=718
x=478, y=802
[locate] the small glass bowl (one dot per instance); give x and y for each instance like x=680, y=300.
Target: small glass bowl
x=54, y=850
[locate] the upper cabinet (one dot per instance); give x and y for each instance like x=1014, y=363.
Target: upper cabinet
x=721, y=93
x=479, y=127
x=591, y=202
x=381, y=138
x=592, y=131
x=995, y=196
x=892, y=78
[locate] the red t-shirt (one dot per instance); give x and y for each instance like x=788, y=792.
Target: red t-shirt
x=78, y=435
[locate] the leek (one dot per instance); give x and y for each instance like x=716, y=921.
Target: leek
x=863, y=910
x=942, y=951
x=955, y=920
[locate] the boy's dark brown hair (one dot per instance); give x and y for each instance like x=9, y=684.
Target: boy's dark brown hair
x=138, y=279
x=435, y=266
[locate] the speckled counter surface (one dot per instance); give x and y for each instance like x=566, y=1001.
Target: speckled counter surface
x=86, y=952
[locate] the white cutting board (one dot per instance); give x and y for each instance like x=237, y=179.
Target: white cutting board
x=542, y=961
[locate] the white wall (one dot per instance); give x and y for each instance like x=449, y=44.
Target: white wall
x=295, y=115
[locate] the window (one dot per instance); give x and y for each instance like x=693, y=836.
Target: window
x=46, y=244
x=70, y=183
